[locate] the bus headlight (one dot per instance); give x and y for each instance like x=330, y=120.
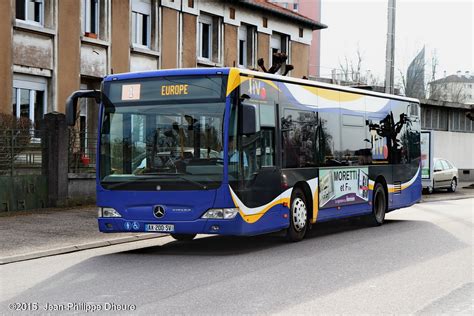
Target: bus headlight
x=108, y=212
x=221, y=213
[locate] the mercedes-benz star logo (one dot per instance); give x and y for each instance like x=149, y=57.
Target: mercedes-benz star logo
x=158, y=211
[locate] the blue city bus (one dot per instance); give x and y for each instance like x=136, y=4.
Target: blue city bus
x=237, y=152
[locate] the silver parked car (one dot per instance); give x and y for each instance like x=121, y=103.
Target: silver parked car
x=445, y=176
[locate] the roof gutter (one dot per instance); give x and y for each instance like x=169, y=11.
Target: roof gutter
x=314, y=25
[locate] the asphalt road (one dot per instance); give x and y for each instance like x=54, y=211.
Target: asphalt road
x=420, y=261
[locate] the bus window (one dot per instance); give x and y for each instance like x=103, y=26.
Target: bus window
x=267, y=134
x=259, y=148
x=354, y=151
x=252, y=152
x=414, y=110
x=299, y=143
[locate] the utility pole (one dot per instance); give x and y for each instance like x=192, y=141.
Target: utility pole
x=390, y=50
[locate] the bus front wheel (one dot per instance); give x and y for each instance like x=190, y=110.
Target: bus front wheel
x=183, y=237
x=298, y=216
x=379, y=206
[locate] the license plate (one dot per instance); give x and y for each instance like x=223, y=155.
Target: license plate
x=165, y=228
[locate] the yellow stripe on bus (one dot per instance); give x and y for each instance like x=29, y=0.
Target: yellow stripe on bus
x=333, y=95
x=315, y=205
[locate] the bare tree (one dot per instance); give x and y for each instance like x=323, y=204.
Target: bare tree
x=344, y=69
x=351, y=69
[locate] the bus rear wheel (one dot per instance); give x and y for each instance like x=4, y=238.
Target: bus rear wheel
x=298, y=216
x=379, y=206
x=183, y=237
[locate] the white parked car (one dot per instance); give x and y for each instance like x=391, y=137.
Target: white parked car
x=445, y=176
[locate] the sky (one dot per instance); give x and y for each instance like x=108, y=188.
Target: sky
x=443, y=26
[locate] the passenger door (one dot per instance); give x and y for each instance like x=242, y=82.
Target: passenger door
x=259, y=177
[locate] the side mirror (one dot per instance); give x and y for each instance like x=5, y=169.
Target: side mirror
x=71, y=103
x=247, y=119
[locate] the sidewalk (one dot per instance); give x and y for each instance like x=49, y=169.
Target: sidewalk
x=463, y=191
x=35, y=234
x=29, y=235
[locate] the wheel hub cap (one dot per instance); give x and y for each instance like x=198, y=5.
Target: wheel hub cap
x=299, y=214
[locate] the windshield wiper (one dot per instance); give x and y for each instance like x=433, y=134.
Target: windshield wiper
x=202, y=186
x=156, y=177
x=179, y=175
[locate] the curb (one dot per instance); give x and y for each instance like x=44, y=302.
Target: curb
x=76, y=248
x=439, y=199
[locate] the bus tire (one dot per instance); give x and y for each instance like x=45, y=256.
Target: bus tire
x=379, y=206
x=298, y=216
x=183, y=237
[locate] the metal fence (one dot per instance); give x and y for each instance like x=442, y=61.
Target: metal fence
x=20, y=152
x=82, y=152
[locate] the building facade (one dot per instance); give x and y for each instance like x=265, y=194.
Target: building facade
x=449, y=114
x=311, y=9
x=452, y=127
x=454, y=88
x=51, y=48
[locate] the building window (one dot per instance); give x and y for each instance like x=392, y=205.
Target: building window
x=29, y=100
x=434, y=118
x=205, y=37
x=279, y=43
x=295, y=6
x=191, y=3
x=31, y=11
x=459, y=122
x=90, y=17
x=141, y=23
x=209, y=38
x=247, y=45
x=243, y=47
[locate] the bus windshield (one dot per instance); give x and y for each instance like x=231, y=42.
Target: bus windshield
x=156, y=145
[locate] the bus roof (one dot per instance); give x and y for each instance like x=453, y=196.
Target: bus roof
x=168, y=72
x=247, y=72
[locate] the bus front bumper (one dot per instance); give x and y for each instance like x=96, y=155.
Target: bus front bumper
x=273, y=220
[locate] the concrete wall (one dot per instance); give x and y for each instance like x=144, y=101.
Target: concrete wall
x=81, y=189
x=6, y=56
x=68, y=64
x=457, y=148
x=189, y=40
x=312, y=9
x=120, y=53
x=94, y=60
x=32, y=50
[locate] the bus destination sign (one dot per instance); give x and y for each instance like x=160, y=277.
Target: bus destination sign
x=162, y=89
